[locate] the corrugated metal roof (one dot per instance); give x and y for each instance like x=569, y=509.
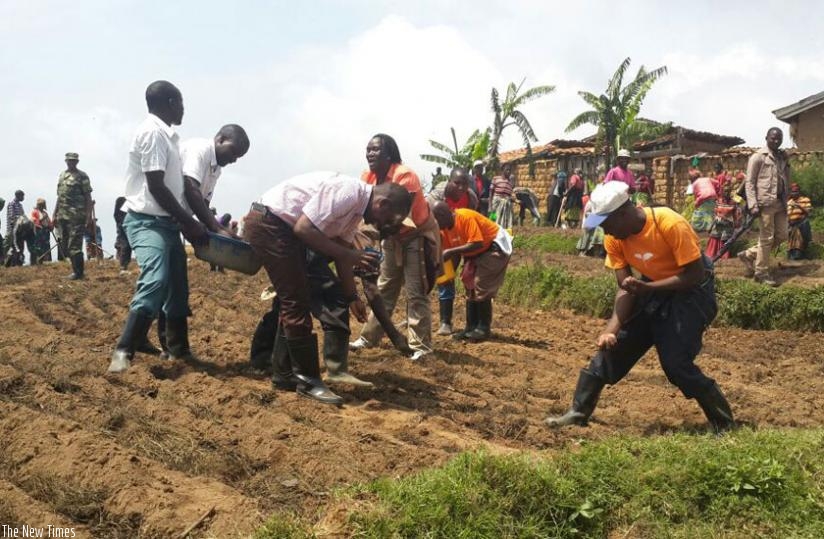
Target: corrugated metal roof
x=785, y=114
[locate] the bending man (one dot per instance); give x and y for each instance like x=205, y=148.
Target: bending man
x=668, y=307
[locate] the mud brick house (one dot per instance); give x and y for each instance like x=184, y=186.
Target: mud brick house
x=672, y=175
x=806, y=119
x=656, y=155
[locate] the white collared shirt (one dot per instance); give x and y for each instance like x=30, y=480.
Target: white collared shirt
x=200, y=163
x=333, y=202
x=153, y=148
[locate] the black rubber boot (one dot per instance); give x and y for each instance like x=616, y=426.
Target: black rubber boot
x=177, y=339
x=336, y=358
x=471, y=320
x=446, y=306
x=586, y=397
x=77, y=267
x=717, y=409
x=303, y=351
x=484, y=328
x=144, y=345
x=161, y=335
x=263, y=342
x=282, y=375
x=136, y=325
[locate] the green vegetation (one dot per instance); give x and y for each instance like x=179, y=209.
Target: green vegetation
x=750, y=305
x=548, y=243
x=508, y=113
x=745, y=484
x=743, y=304
x=817, y=221
x=551, y=287
x=475, y=147
x=615, y=112
x=810, y=178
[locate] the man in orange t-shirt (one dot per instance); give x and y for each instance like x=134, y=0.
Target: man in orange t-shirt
x=411, y=255
x=668, y=306
x=486, y=248
x=457, y=194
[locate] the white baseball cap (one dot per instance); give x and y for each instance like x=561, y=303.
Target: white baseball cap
x=478, y=162
x=605, y=199
x=623, y=153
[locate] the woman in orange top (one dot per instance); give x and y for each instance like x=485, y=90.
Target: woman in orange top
x=411, y=255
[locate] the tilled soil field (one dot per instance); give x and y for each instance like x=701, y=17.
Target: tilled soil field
x=166, y=446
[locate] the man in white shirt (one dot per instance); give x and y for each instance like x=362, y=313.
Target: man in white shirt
x=321, y=211
x=202, y=161
x=158, y=212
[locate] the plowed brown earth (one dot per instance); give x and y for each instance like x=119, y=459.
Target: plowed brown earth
x=149, y=452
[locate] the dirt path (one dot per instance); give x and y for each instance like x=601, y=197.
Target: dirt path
x=153, y=450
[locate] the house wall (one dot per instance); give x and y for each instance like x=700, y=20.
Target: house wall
x=541, y=183
x=809, y=130
x=672, y=178
x=545, y=170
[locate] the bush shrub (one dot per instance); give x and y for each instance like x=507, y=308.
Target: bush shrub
x=750, y=305
x=811, y=180
x=549, y=243
x=743, y=304
x=747, y=484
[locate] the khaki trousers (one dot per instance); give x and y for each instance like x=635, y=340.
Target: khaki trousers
x=773, y=230
x=398, y=269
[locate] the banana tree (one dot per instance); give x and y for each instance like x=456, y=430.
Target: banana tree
x=475, y=147
x=615, y=112
x=508, y=113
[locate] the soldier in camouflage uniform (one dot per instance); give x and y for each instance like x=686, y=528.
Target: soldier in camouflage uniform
x=73, y=212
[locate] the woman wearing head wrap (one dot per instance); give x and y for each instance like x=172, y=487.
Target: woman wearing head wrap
x=705, y=191
x=727, y=217
x=41, y=247
x=798, y=213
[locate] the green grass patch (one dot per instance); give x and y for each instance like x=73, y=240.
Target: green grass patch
x=750, y=305
x=558, y=242
x=746, y=484
x=548, y=243
x=743, y=304
x=551, y=287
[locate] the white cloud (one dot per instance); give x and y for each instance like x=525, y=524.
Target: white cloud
x=410, y=82
x=312, y=104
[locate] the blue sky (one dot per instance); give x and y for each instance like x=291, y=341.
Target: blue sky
x=312, y=81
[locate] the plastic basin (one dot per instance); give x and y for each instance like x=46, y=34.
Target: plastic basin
x=229, y=253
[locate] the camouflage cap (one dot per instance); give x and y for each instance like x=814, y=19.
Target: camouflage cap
x=72, y=156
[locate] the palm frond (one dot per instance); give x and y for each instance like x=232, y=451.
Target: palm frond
x=511, y=92
x=617, y=79
x=439, y=159
x=494, y=102
x=594, y=101
x=441, y=147
x=533, y=93
x=524, y=127
x=588, y=117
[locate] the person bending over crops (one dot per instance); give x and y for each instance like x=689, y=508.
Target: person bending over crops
x=668, y=306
